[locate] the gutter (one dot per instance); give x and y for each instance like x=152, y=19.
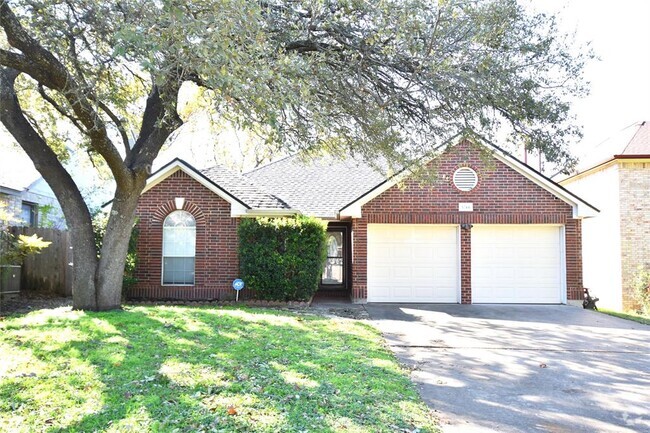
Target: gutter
x=631, y=156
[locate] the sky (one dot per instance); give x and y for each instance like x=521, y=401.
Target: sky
x=619, y=32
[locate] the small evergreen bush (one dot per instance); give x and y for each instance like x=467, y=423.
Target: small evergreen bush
x=641, y=286
x=282, y=259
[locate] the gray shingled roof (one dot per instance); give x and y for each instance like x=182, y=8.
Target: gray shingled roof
x=318, y=187
x=243, y=189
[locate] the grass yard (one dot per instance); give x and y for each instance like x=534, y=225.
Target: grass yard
x=628, y=316
x=195, y=369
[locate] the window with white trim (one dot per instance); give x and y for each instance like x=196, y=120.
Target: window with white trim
x=179, y=248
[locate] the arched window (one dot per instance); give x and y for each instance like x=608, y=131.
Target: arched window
x=179, y=247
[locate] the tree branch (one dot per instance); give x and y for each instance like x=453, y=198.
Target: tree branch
x=159, y=120
x=49, y=71
x=14, y=60
x=118, y=124
x=60, y=109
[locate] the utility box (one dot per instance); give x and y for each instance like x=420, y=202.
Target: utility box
x=9, y=281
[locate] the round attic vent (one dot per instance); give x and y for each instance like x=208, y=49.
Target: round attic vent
x=465, y=179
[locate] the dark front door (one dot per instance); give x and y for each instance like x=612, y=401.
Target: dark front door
x=335, y=272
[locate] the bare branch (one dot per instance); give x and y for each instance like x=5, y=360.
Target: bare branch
x=60, y=109
x=118, y=124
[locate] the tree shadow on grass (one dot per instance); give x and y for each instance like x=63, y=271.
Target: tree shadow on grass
x=206, y=369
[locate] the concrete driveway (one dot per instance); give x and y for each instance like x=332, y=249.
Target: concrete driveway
x=504, y=368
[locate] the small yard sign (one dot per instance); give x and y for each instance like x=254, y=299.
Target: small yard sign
x=238, y=284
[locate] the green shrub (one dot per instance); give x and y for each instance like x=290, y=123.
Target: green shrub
x=641, y=286
x=16, y=248
x=282, y=259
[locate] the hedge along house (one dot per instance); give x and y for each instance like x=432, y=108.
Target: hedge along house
x=489, y=229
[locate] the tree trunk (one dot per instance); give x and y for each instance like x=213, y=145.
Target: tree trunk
x=115, y=245
x=97, y=283
x=74, y=208
x=84, y=265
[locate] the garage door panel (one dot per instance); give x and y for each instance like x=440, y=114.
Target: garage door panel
x=412, y=263
x=516, y=264
x=424, y=273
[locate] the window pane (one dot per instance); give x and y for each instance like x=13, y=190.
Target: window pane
x=179, y=247
x=178, y=270
x=28, y=214
x=335, y=244
x=179, y=241
x=179, y=218
x=333, y=272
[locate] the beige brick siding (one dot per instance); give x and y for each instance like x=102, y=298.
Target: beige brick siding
x=635, y=223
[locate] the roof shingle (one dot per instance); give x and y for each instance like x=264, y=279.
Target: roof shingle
x=318, y=187
x=243, y=189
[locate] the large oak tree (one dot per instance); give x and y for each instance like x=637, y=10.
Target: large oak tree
x=393, y=78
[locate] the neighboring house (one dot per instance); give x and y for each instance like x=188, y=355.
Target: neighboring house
x=615, y=176
x=25, y=197
x=489, y=230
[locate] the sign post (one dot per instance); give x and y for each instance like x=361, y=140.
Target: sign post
x=237, y=284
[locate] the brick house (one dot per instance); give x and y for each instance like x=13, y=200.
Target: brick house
x=615, y=176
x=488, y=229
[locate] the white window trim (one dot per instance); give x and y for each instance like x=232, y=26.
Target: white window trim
x=163, y=256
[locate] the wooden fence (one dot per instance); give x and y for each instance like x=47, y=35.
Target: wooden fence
x=51, y=270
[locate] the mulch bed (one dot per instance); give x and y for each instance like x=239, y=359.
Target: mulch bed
x=27, y=302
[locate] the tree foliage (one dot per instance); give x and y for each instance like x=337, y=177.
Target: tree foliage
x=393, y=78
x=641, y=289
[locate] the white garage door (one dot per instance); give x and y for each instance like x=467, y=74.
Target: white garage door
x=519, y=264
x=412, y=263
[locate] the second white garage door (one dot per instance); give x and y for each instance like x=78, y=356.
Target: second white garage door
x=413, y=263
x=519, y=264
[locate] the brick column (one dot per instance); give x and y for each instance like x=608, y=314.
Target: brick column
x=465, y=266
x=573, y=241
x=359, y=260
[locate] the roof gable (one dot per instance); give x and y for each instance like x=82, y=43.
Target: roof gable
x=580, y=207
x=244, y=198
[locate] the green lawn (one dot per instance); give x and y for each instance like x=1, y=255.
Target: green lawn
x=199, y=369
x=629, y=316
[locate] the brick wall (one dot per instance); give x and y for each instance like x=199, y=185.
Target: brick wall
x=502, y=196
x=216, y=263
x=635, y=224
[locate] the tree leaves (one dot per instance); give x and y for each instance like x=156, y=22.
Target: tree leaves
x=395, y=78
